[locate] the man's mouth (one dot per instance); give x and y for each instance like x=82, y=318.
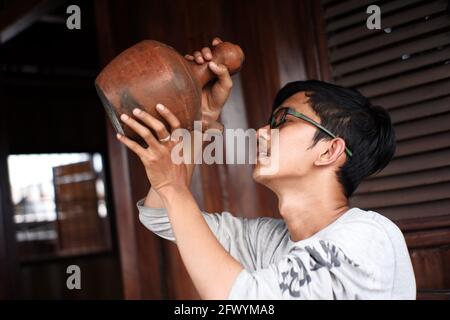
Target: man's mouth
x=263, y=150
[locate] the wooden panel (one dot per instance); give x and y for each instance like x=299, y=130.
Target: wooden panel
x=192, y=36
x=392, y=53
x=421, y=93
x=360, y=16
x=403, y=17
x=423, y=144
x=422, y=127
x=419, y=110
x=271, y=37
x=416, y=163
x=344, y=7
x=323, y=61
x=420, y=178
x=404, y=68
x=139, y=249
x=424, y=223
x=428, y=238
x=278, y=49
x=433, y=294
x=431, y=267
x=380, y=41
x=411, y=80
x=291, y=56
x=413, y=211
x=419, y=194
x=395, y=67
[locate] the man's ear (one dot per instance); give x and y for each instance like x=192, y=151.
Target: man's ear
x=331, y=152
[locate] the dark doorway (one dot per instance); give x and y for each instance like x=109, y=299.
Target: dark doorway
x=54, y=127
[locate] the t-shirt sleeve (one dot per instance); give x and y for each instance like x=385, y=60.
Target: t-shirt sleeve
x=321, y=268
x=236, y=234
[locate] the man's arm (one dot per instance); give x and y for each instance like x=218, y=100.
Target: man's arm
x=212, y=269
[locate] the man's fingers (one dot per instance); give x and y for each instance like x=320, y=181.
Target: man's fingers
x=152, y=123
x=198, y=57
x=222, y=74
x=168, y=116
x=132, y=145
x=212, y=125
x=206, y=52
x=139, y=129
x=216, y=41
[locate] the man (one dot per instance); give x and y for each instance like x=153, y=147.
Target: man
x=330, y=138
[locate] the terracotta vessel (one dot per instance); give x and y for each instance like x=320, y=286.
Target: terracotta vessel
x=151, y=72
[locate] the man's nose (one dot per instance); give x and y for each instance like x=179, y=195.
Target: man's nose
x=263, y=132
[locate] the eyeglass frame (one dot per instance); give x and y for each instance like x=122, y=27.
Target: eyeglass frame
x=299, y=115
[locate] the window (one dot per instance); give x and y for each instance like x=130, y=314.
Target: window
x=59, y=204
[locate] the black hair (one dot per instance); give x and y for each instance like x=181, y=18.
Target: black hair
x=366, y=129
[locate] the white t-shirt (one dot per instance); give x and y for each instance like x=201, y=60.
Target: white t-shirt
x=361, y=255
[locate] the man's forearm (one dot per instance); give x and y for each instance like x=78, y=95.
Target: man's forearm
x=153, y=200
x=212, y=269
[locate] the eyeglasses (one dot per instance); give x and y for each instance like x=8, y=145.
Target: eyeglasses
x=279, y=117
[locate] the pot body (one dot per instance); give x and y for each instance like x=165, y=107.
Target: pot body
x=151, y=72
x=144, y=75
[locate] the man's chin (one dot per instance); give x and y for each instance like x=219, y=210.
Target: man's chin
x=258, y=174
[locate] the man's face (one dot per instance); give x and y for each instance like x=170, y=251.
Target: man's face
x=294, y=158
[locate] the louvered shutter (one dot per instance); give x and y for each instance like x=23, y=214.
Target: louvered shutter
x=404, y=67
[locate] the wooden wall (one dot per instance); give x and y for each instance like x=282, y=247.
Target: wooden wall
x=405, y=68
x=280, y=44
x=283, y=41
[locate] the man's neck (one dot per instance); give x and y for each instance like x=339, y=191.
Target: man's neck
x=308, y=210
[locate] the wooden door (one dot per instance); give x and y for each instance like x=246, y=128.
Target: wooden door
x=81, y=229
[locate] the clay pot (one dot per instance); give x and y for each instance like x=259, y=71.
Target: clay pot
x=151, y=72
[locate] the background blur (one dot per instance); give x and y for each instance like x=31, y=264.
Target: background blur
x=68, y=189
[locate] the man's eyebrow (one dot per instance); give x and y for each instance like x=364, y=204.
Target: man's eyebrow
x=284, y=106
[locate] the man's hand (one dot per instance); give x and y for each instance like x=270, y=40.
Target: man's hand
x=215, y=94
x=161, y=170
